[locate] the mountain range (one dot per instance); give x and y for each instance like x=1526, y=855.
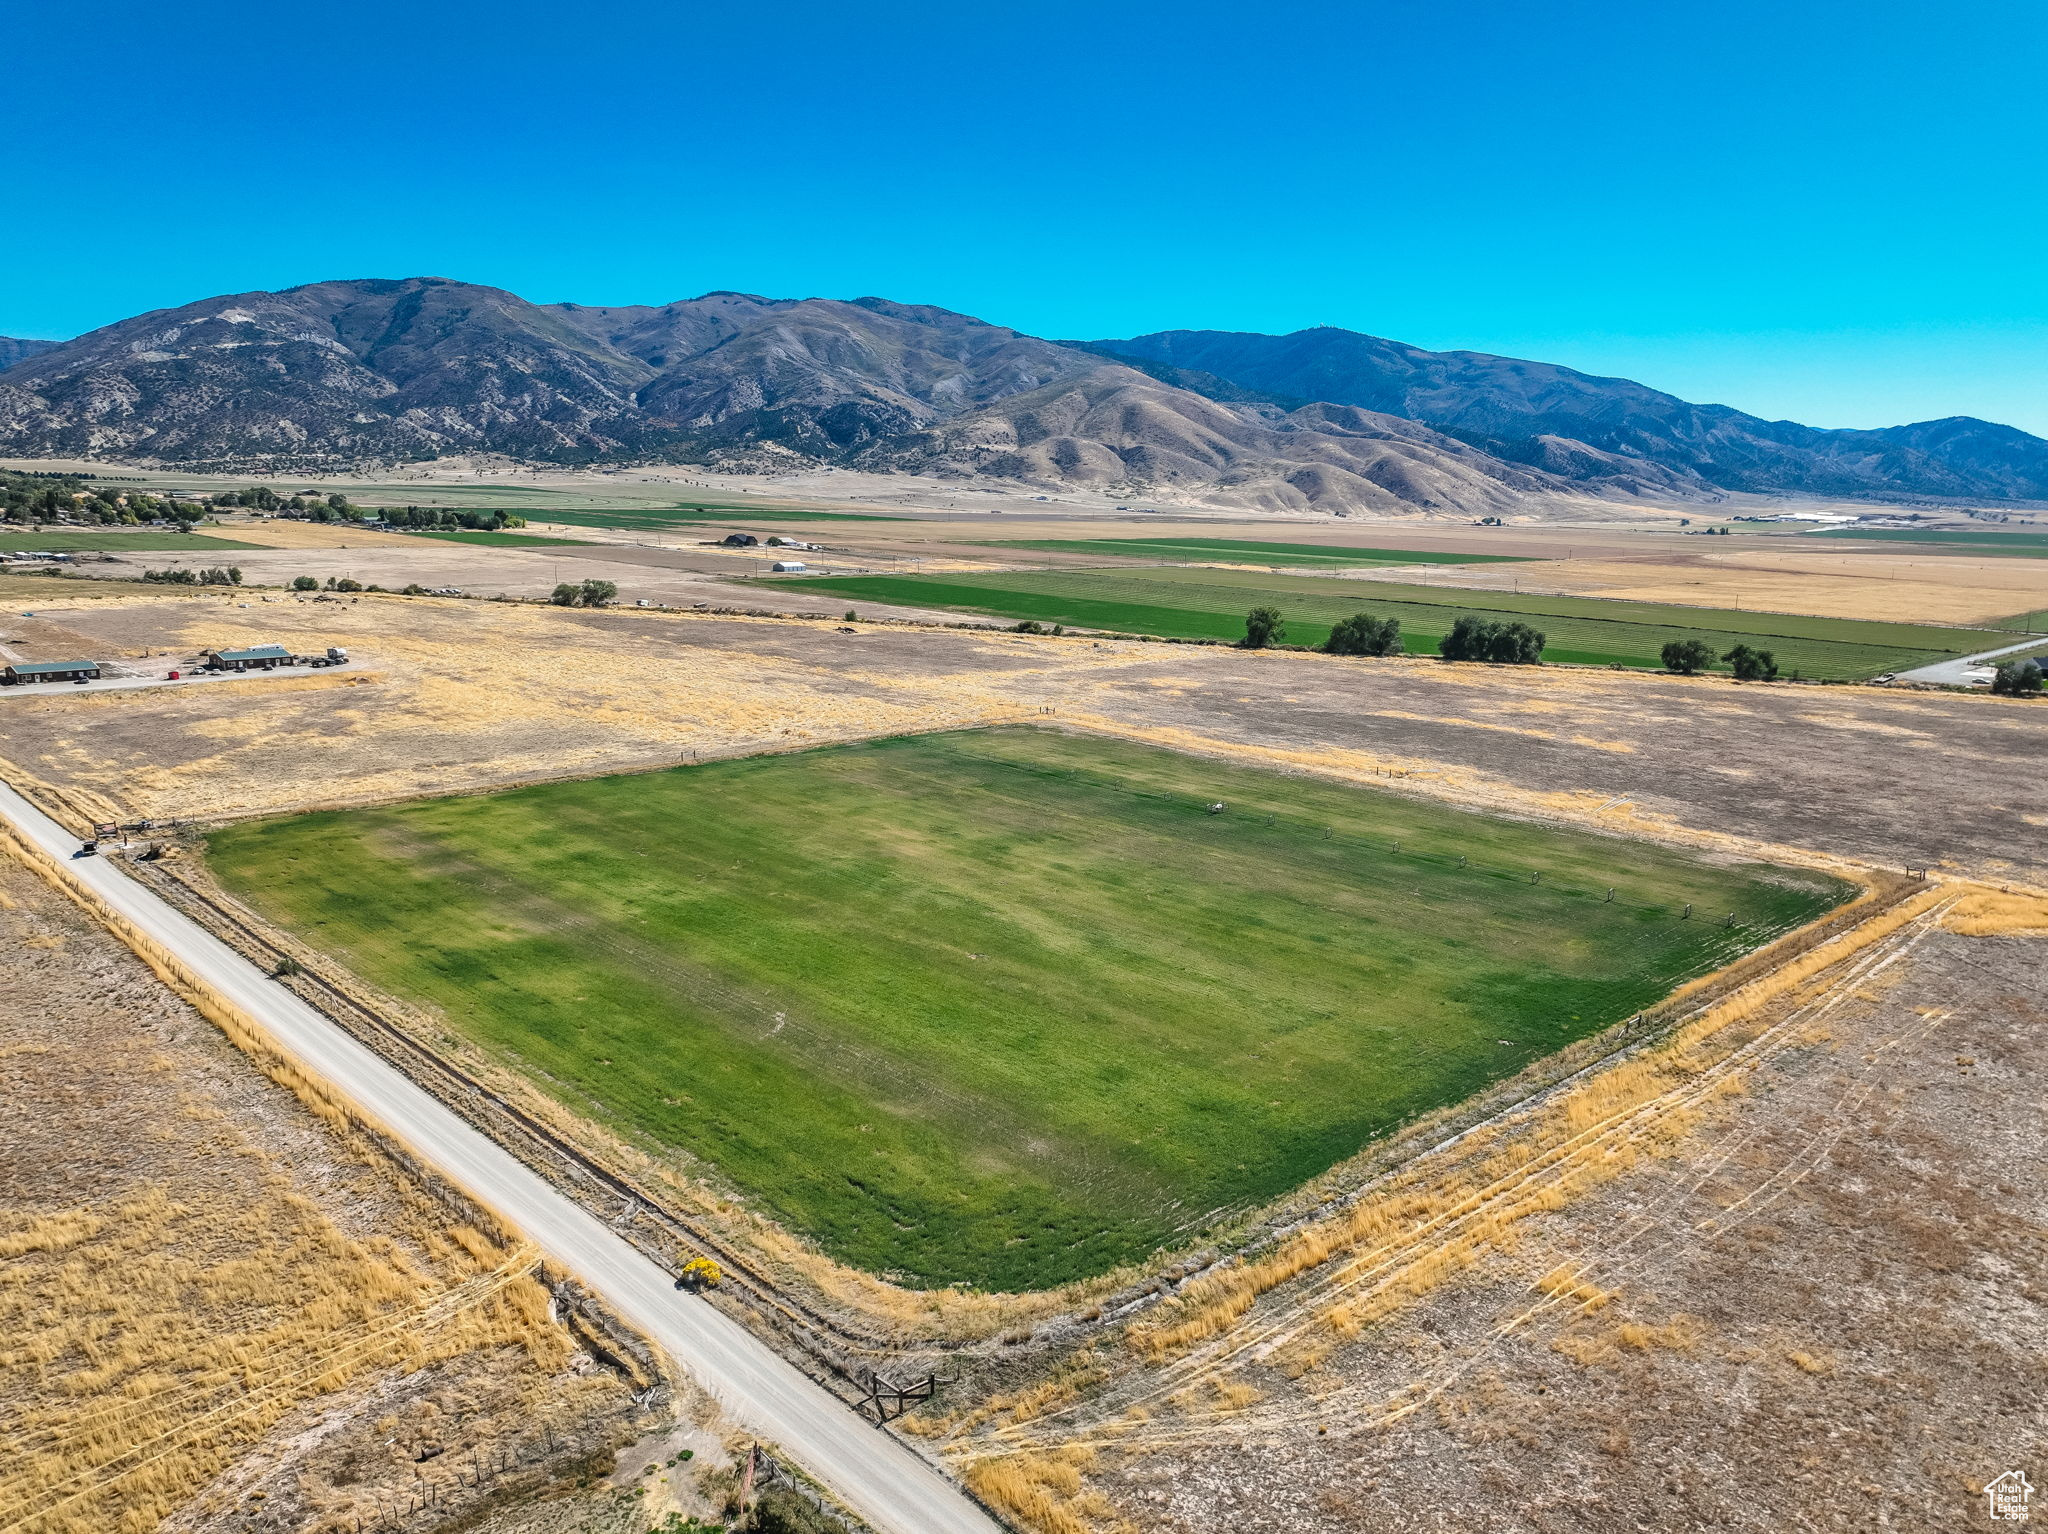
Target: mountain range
x=353, y=373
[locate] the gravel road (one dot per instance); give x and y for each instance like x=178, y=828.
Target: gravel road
x=872, y=1472
x=1956, y=673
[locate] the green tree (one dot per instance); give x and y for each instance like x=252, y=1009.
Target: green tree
x=1686, y=656
x=1468, y=639
x=1363, y=634
x=1751, y=665
x=568, y=594
x=1505, y=644
x=1263, y=626
x=597, y=593
x=2017, y=679
x=345, y=584
x=1515, y=644
x=305, y=583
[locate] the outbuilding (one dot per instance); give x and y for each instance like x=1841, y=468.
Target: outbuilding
x=257, y=658
x=23, y=672
x=739, y=540
x=789, y=567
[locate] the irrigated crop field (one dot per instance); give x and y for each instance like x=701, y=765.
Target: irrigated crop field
x=1003, y=1007
x=486, y=539
x=722, y=514
x=115, y=541
x=1198, y=603
x=1965, y=540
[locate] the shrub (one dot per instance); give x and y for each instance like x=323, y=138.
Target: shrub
x=2017, y=679
x=305, y=583
x=781, y=1511
x=414, y=590
x=568, y=594
x=1029, y=626
x=1363, y=634
x=345, y=584
x=1263, y=626
x=1752, y=665
x=1686, y=656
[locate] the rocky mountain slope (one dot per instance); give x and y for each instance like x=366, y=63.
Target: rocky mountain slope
x=338, y=374
x=345, y=372
x=15, y=349
x=1583, y=427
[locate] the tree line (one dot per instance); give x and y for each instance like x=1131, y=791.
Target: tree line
x=1481, y=639
x=1689, y=657
x=339, y=508
x=231, y=576
x=37, y=498
x=1499, y=642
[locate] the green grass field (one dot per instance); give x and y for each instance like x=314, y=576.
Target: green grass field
x=1199, y=603
x=1006, y=1007
x=479, y=535
x=1961, y=540
x=1250, y=552
x=690, y=516
x=115, y=540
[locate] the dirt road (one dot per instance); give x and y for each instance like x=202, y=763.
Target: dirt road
x=876, y=1475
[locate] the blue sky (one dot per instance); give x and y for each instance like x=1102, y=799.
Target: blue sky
x=1831, y=212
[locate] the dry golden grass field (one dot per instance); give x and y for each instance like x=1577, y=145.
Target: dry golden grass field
x=1902, y=587
x=222, y=1300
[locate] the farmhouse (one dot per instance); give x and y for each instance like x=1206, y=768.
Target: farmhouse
x=258, y=658
x=22, y=672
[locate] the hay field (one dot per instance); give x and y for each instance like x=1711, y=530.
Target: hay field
x=1002, y=1009
x=1251, y=551
x=201, y=1274
x=1907, y=585
x=279, y=533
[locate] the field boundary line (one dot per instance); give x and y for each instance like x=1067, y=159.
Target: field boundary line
x=1549, y=1166
x=479, y=1103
